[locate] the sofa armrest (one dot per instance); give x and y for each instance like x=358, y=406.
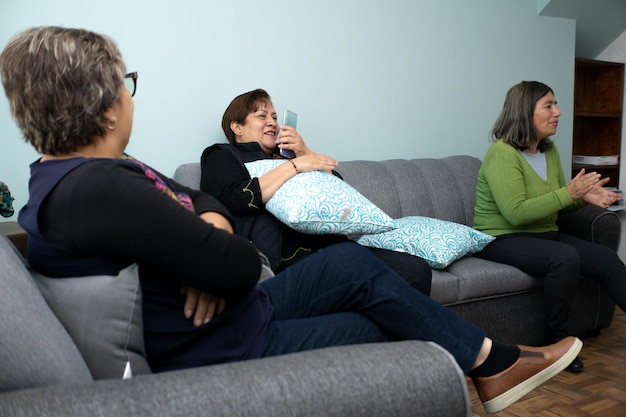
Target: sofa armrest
x=383, y=379
x=593, y=223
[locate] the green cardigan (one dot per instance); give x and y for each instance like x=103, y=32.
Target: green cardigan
x=512, y=198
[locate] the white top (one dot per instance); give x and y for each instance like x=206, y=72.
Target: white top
x=538, y=162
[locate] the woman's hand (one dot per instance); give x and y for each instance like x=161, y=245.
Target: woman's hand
x=582, y=183
x=202, y=306
x=315, y=162
x=600, y=196
x=271, y=181
x=305, y=160
x=289, y=138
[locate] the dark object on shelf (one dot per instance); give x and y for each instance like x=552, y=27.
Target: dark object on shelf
x=6, y=201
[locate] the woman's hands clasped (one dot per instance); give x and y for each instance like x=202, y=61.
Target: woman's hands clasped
x=600, y=196
x=582, y=183
x=589, y=187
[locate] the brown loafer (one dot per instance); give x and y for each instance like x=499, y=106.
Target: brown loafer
x=535, y=366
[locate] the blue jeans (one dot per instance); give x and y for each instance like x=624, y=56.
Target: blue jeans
x=344, y=295
x=560, y=259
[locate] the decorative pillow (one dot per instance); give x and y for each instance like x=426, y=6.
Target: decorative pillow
x=438, y=242
x=35, y=349
x=103, y=316
x=317, y=202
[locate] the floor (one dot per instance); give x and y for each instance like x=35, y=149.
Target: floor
x=599, y=391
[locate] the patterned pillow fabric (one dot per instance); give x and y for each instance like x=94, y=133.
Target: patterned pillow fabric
x=319, y=203
x=437, y=241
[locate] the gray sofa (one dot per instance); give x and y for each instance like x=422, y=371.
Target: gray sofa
x=504, y=301
x=44, y=372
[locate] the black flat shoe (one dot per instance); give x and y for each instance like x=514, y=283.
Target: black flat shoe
x=576, y=366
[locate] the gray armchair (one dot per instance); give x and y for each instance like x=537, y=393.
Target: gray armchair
x=44, y=373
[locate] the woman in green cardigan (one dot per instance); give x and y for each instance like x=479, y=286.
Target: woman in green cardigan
x=520, y=191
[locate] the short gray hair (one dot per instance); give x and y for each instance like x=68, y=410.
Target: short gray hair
x=59, y=81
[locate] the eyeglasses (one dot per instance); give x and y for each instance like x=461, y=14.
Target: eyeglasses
x=130, y=82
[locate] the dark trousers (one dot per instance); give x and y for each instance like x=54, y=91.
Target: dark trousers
x=343, y=295
x=414, y=270
x=560, y=259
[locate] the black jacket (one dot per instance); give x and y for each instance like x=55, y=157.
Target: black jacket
x=225, y=177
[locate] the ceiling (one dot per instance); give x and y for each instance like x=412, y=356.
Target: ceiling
x=598, y=22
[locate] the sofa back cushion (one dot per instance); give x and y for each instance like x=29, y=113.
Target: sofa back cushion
x=189, y=175
x=439, y=188
x=35, y=349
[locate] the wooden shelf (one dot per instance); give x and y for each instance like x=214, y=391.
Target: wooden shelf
x=579, y=166
x=607, y=115
x=598, y=101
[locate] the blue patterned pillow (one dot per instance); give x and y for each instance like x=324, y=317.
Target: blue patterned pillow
x=439, y=242
x=317, y=202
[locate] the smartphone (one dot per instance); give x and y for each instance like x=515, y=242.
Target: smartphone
x=289, y=119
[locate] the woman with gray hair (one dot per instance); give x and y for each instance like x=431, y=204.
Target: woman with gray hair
x=95, y=210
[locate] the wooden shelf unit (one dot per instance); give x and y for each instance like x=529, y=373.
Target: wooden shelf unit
x=598, y=101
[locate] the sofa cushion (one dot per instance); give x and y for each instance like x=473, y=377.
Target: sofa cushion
x=317, y=202
x=35, y=349
x=437, y=241
x=440, y=188
x=104, y=317
x=479, y=290
x=189, y=175
x=480, y=278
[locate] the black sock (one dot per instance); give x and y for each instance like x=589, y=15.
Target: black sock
x=500, y=358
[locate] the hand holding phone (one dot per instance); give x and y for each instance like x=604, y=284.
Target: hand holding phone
x=289, y=119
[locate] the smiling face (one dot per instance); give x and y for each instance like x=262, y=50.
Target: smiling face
x=260, y=126
x=546, y=116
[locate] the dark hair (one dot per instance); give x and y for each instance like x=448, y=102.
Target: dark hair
x=240, y=108
x=59, y=82
x=515, y=124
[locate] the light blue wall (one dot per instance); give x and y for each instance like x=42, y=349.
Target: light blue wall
x=541, y=4
x=369, y=80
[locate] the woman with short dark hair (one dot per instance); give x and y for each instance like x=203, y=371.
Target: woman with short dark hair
x=251, y=127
